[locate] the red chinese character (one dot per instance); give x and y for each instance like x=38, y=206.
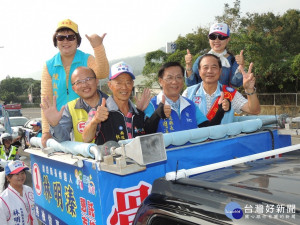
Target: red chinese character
x=84, y=220
x=91, y=209
x=83, y=205
x=126, y=203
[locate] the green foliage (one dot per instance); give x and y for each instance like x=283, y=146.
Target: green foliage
x=16, y=90
x=270, y=41
x=153, y=61
x=231, y=16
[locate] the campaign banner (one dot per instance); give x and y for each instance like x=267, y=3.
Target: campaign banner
x=67, y=194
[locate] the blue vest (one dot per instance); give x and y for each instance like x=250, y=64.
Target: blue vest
x=186, y=121
x=197, y=95
x=62, y=89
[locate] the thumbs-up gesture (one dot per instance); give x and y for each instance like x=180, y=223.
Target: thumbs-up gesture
x=167, y=108
x=240, y=58
x=225, y=102
x=248, y=78
x=101, y=113
x=188, y=59
x=50, y=111
x=95, y=40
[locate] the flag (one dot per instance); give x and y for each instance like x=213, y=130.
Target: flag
x=6, y=121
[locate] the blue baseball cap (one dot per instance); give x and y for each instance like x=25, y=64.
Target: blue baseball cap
x=36, y=124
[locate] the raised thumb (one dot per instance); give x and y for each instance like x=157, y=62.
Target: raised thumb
x=103, y=102
x=163, y=99
x=221, y=98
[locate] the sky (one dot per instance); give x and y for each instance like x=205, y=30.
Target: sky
x=133, y=27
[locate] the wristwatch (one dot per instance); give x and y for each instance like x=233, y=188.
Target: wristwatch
x=254, y=91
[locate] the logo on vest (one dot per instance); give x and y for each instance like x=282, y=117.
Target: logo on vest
x=230, y=89
x=80, y=126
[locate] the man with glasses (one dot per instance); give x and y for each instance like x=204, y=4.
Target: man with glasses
x=170, y=112
x=219, y=37
x=74, y=114
x=117, y=118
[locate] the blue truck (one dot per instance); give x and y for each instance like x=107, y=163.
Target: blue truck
x=133, y=182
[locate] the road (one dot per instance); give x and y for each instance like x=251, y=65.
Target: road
x=31, y=112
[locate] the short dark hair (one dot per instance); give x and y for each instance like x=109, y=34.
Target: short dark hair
x=78, y=37
x=212, y=55
x=167, y=65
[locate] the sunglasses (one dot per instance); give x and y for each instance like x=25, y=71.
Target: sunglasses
x=215, y=36
x=70, y=37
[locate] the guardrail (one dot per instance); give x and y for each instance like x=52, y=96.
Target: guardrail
x=292, y=99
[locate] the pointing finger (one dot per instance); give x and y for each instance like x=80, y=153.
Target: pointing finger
x=188, y=52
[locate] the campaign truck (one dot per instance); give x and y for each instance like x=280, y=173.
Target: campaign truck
x=82, y=183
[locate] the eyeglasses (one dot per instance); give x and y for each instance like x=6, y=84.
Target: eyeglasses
x=70, y=37
x=219, y=36
x=169, y=79
x=88, y=80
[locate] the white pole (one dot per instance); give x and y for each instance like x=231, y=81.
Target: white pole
x=186, y=173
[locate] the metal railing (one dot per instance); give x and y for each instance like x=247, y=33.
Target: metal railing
x=292, y=99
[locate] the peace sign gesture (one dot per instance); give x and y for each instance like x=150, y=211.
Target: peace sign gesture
x=248, y=78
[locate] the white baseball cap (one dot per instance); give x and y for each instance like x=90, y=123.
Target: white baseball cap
x=14, y=167
x=119, y=68
x=220, y=28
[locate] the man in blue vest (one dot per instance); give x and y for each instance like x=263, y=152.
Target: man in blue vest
x=169, y=111
x=206, y=94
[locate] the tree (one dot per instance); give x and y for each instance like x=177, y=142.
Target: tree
x=153, y=61
x=16, y=90
x=10, y=89
x=270, y=41
x=231, y=16
x=296, y=69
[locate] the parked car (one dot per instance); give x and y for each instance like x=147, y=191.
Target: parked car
x=27, y=132
x=16, y=123
x=257, y=192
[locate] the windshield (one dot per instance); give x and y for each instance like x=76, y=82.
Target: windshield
x=17, y=121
